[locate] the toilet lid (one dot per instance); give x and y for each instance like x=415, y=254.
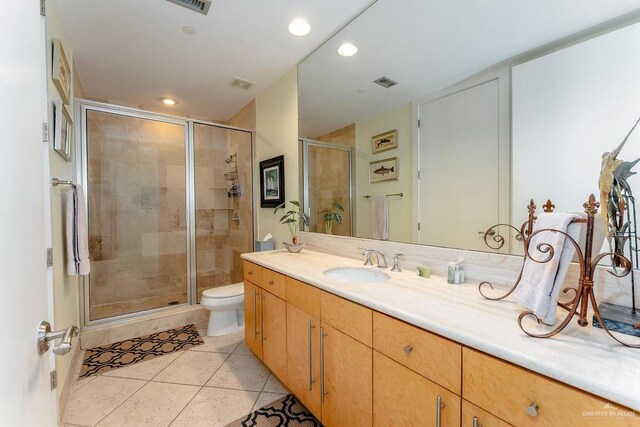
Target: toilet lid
x=226, y=291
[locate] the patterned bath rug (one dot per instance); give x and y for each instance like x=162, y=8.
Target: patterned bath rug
x=286, y=411
x=124, y=353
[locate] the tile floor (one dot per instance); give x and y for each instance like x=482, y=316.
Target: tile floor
x=210, y=385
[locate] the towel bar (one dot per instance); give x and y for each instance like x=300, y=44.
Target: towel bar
x=55, y=182
x=386, y=195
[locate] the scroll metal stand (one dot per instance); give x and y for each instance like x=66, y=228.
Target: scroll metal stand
x=497, y=242
x=584, y=295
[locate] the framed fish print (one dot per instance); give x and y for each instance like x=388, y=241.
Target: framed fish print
x=383, y=170
x=61, y=72
x=384, y=141
x=272, y=182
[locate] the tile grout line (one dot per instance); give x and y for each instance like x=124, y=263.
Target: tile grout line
x=198, y=392
x=125, y=401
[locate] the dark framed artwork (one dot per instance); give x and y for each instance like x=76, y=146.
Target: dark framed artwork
x=272, y=182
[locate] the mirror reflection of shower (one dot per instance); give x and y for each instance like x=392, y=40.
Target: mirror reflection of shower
x=327, y=190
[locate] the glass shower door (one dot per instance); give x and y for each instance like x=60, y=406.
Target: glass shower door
x=223, y=204
x=136, y=191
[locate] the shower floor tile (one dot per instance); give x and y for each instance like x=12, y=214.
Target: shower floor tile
x=169, y=390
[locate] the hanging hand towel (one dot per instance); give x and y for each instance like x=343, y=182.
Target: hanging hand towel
x=541, y=282
x=77, y=242
x=380, y=217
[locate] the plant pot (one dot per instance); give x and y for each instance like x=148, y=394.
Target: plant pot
x=294, y=248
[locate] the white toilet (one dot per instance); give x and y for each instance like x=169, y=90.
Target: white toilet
x=226, y=304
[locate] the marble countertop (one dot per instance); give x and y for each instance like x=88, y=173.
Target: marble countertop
x=585, y=358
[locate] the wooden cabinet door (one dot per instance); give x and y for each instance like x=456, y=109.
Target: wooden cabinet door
x=402, y=397
x=252, y=318
x=303, y=358
x=472, y=416
x=274, y=334
x=347, y=377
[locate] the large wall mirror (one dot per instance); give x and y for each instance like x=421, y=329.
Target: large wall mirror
x=451, y=116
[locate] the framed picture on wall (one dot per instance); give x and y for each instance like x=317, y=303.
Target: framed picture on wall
x=61, y=72
x=272, y=182
x=62, y=130
x=384, y=141
x=383, y=170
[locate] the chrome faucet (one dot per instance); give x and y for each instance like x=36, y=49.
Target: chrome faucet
x=382, y=261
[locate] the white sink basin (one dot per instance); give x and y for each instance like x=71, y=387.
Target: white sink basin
x=355, y=274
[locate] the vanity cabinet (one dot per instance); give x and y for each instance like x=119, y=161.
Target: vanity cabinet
x=524, y=398
x=266, y=317
x=353, y=366
x=472, y=416
x=416, y=376
x=346, y=377
x=253, y=318
x=401, y=397
x=303, y=344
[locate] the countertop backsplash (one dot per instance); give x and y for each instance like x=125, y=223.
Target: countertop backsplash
x=499, y=269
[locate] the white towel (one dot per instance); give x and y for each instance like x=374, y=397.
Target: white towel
x=77, y=242
x=541, y=282
x=380, y=218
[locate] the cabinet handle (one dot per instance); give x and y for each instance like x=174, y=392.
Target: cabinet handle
x=439, y=407
x=322, y=392
x=255, y=314
x=262, y=317
x=476, y=423
x=250, y=272
x=271, y=282
x=408, y=349
x=309, y=328
x=532, y=409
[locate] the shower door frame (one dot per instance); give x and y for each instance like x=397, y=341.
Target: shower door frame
x=81, y=175
x=303, y=159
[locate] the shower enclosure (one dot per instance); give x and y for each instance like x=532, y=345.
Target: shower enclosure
x=169, y=206
x=327, y=178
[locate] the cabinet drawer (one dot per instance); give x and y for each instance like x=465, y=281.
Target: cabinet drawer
x=273, y=282
x=430, y=355
x=252, y=273
x=303, y=296
x=507, y=391
x=473, y=416
x=403, y=398
x=349, y=317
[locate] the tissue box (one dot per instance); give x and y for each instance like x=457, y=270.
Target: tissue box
x=261, y=245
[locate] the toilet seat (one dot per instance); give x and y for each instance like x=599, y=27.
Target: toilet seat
x=221, y=292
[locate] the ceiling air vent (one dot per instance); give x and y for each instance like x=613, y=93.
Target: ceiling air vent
x=241, y=83
x=385, y=82
x=200, y=6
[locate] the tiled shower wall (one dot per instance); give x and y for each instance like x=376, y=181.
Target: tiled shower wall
x=137, y=204
x=137, y=228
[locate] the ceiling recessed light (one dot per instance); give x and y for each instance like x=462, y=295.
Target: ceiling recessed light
x=299, y=27
x=169, y=101
x=347, y=49
x=189, y=30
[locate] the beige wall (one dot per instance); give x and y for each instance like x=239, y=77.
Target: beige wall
x=65, y=288
x=277, y=134
x=400, y=209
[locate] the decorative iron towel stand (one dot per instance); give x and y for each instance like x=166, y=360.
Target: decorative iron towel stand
x=584, y=294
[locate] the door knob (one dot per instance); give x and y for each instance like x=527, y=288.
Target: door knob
x=45, y=336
